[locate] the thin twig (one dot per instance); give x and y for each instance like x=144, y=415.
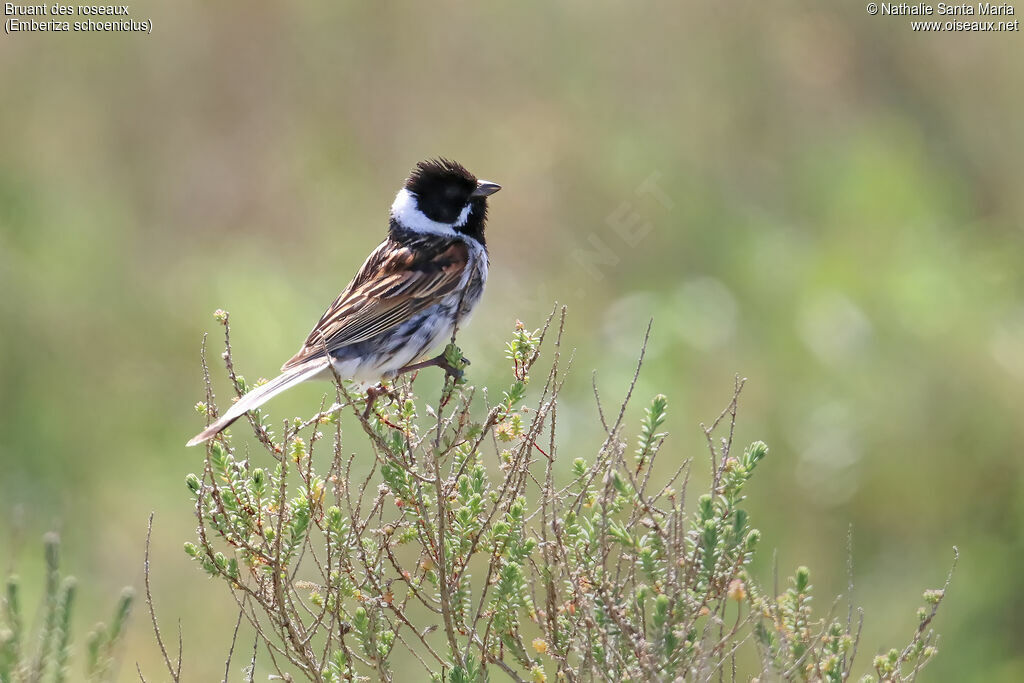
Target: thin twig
x=231, y=650
x=173, y=670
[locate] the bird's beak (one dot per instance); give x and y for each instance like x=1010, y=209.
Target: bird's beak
x=485, y=188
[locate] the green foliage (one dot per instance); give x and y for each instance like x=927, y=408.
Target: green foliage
x=47, y=659
x=468, y=551
x=649, y=437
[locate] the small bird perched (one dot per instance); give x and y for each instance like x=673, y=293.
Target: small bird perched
x=409, y=294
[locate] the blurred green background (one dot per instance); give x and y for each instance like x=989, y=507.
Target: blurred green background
x=839, y=218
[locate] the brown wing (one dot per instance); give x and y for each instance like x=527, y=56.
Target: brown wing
x=395, y=283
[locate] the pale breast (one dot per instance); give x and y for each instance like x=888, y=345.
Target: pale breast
x=388, y=352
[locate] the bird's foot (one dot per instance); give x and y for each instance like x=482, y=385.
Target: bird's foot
x=375, y=392
x=451, y=361
x=454, y=363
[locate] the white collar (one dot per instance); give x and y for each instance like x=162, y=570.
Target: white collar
x=406, y=213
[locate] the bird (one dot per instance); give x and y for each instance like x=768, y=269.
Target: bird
x=412, y=291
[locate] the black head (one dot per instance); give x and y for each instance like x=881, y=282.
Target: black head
x=445, y=192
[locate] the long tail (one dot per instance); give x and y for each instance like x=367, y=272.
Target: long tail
x=258, y=396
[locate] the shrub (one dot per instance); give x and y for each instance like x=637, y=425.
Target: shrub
x=43, y=654
x=470, y=550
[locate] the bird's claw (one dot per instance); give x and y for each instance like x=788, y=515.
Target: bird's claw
x=453, y=363
x=372, y=394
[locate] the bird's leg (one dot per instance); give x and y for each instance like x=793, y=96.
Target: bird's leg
x=373, y=393
x=451, y=361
